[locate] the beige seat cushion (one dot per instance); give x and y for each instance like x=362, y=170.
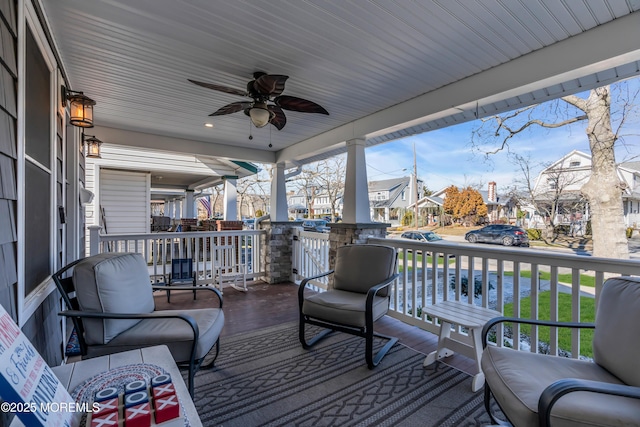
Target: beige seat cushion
x=518, y=378
x=616, y=346
x=175, y=333
x=343, y=307
x=112, y=283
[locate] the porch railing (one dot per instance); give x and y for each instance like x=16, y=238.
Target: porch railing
x=520, y=279
x=158, y=249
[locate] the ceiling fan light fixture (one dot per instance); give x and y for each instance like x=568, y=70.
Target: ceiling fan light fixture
x=263, y=89
x=259, y=114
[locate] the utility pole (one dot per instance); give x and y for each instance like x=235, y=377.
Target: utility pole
x=415, y=186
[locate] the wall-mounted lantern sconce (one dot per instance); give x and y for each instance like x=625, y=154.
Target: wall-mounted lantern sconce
x=93, y=146
x=81, y=107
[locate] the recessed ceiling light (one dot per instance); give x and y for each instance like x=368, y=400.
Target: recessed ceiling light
x=209, y=125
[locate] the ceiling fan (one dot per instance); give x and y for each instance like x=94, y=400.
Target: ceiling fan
x=267, y=104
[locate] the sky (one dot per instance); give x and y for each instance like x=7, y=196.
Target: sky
x=446, y=157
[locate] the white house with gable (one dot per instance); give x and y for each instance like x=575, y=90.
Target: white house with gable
x=563, y=180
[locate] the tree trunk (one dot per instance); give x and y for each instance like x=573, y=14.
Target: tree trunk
x=604, y=188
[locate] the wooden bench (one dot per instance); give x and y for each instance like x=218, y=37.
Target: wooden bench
x=466, y=315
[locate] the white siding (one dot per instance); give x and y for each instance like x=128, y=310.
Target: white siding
x=125, y=198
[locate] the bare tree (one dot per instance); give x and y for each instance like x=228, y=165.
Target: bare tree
x=306, y=184
x=331, y=177
x=242, y=188
x=253, y=192
x=604, y=188
x=216, y=199
x=322, y=178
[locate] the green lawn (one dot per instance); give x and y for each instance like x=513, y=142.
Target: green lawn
x=587, y=314
x=585, y=280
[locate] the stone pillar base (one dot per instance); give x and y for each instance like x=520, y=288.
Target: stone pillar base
x=348, y=234
x=277, y=253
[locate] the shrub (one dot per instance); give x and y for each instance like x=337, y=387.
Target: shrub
x=419, y=311
x=407, y=218
x=464, y=285
x=562, y=229
x=629, y=232
x=534, y=234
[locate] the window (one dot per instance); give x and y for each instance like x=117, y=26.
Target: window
x=404, y=195
x=574, y=164
x=38, y=167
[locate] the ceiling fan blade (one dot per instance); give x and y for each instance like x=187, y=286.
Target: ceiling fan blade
x=220, y=88
x=278, y=119
x=270, y=84
x=298, y=104
x=234, y=107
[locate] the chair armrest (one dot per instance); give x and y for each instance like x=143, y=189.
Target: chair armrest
x=376, y=288
x=491, y=323
x=304, y=282
x=568, y=385
x=188, y=288
x=153, y=315
x=371, y=293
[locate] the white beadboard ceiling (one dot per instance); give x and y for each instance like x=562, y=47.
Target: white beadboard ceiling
x=383, y=69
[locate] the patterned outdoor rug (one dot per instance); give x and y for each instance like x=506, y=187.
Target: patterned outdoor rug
x=265, y=378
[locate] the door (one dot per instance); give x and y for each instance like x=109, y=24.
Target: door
x=125, y=202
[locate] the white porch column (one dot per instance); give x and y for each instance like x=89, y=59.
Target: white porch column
x=230, y=198
x=386, y=214
x=356, y=190
x=278, y=202
x=174, y=209
x=168, y=208
x=177, y=209
x=187, y=206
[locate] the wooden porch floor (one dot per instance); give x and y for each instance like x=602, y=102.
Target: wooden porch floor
x=266, y=305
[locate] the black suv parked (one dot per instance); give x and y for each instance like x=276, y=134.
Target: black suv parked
x=508, y=235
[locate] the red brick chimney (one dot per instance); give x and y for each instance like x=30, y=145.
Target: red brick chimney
x=491, y=196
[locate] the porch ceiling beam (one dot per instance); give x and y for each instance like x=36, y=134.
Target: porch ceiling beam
x=601, y=48
x=222, y=168
x=180, y=145
x=206, y=183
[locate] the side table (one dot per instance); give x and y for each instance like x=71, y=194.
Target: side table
x=74, y=374
x=466, y=315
